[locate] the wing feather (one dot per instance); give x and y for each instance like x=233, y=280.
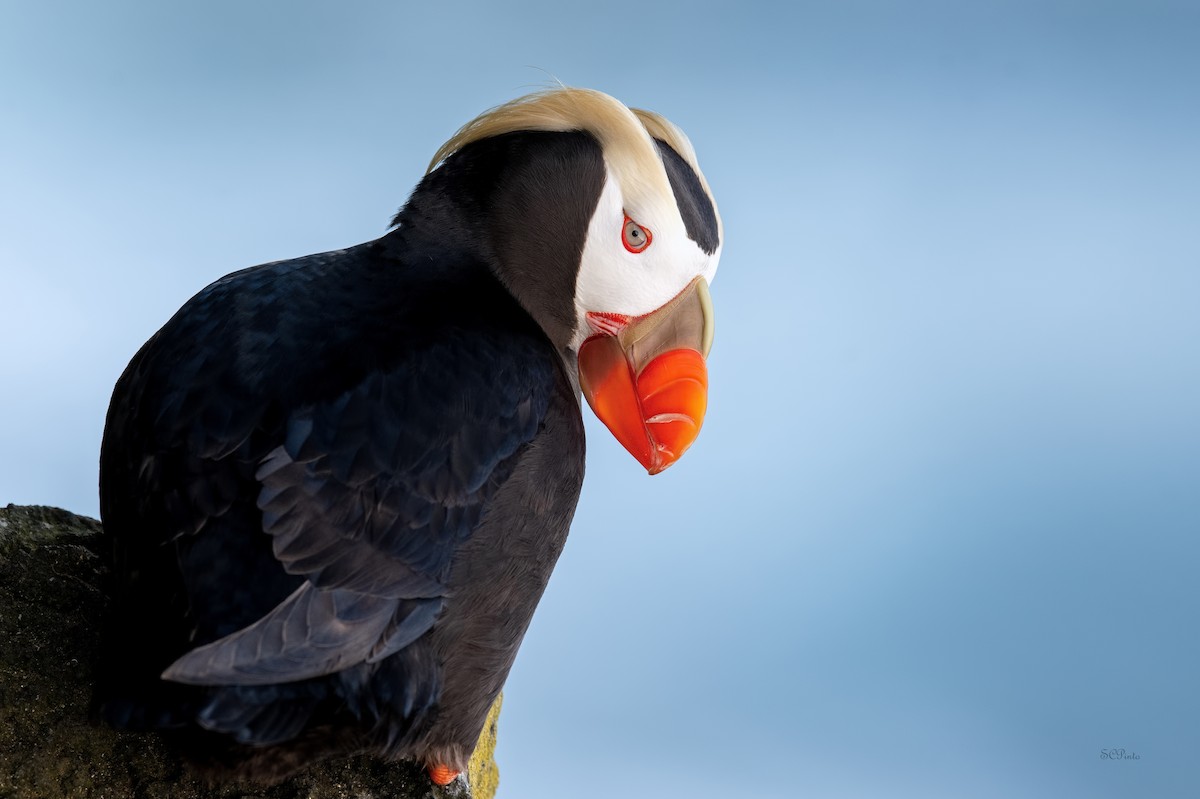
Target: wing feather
x=366, y=493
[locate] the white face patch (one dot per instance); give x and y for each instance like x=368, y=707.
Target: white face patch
x=614, y=280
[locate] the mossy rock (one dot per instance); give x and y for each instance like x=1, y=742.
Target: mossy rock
x=51, y=603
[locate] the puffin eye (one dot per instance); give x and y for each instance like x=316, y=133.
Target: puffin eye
x=635, y=237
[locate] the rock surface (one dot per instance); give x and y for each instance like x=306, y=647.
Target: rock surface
x=50, y=608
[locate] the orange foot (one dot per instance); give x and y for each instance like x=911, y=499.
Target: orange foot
x=442, y=774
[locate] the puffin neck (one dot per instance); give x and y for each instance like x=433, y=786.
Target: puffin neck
x=521, y=203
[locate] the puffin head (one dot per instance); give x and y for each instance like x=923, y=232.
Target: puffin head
x=601, y=224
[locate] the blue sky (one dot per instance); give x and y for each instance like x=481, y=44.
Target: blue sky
x=939, y=535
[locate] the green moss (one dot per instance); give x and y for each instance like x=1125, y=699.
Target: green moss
x=482, y=771
x=51, y=603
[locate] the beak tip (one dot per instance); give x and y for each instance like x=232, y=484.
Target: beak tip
x=659, y=462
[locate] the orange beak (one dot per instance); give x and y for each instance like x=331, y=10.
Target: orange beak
x=645, y=376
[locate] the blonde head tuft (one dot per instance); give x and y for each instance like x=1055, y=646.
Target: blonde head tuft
x=625, y=137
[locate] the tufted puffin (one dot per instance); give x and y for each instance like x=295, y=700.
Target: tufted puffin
x=333, y=488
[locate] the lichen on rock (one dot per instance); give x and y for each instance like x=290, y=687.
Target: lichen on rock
x=51, y=603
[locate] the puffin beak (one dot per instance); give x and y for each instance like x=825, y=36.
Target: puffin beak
x=645, y=376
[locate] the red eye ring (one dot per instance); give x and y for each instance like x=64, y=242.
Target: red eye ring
x=635, y=237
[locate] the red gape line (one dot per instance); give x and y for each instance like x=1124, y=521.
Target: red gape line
x=609, y=324
x=442, y=774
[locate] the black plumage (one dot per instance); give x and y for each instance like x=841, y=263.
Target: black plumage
x=334, y=487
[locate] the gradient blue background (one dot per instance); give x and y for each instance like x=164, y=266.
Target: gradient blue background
x=939, y=536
